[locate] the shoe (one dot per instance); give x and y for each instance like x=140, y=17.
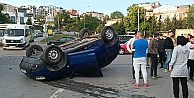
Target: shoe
x=157, y=76
x=165, y=70
x=137, y=85
x=146, y=85
x=190, y=79
x=153, y=77
x=161, y=66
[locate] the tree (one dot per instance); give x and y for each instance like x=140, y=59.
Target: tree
x=116, y=15
x=28, y=22
x=131, y=21
x=4, y=18
x=63, y=17
x=106, y=17
x=190, y=18
x=119, y=27
x=167, y=25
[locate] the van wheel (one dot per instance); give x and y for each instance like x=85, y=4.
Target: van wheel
x=85, y=31
x=52, y=55
x=33, y=49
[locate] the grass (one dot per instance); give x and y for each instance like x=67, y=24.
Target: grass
x=55, y=37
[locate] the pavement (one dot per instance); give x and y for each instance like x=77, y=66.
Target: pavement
x=160, y=87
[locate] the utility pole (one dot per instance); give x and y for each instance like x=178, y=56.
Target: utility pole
x=85, y=16
x=58, y=24
x=138, y=18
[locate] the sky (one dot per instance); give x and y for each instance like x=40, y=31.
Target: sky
x=102, y=6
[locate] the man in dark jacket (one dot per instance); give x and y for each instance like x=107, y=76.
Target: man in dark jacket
x=161, y=50
x=169, y=46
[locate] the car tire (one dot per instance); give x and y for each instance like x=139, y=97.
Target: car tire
x=107, y=33
x=85, y=31
x=33, y=49
x=52, y=55
x=121, y=51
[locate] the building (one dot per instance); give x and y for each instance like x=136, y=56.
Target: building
x=98, y=15
x=49, y=10
x=28, y=10
x=149, y=6
x=112, y=21
x=167, y=11
x=72, y=13
x=8, y=8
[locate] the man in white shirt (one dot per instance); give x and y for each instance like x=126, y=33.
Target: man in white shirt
x=129, y=44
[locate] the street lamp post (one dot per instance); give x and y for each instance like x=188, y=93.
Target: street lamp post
x=85, y=16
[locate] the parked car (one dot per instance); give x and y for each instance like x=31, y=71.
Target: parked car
x=61, y=40
x=84, y=56
x=125, y=38
x=38, y=33
x=123, y=49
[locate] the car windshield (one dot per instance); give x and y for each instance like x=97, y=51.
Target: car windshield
x=14, y=32
x=1, y=32
x=126, y=42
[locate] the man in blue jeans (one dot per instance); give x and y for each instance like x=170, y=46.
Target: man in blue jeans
x=169, y=46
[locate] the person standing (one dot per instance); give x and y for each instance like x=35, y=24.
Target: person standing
x=148, y=58
x=139, y=61
x=178, y=67
x=129, y=44
x=161, y=50
x=169, y=46
x=153, y=50
x=190, y=63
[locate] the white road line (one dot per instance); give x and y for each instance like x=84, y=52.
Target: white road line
x=55, y=95
x=190, y=87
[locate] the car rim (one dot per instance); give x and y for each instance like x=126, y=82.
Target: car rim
x=109, y=34
x=35, y=51
x=53, y=54
x=121, y=51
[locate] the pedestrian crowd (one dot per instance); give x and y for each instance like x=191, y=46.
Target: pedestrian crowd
x=176, y=55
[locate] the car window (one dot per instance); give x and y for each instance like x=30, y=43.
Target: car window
x=63, y=39
x=70, y=38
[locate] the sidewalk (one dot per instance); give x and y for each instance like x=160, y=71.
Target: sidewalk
x=160, y=87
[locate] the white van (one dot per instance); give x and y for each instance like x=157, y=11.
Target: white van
x=16, y=36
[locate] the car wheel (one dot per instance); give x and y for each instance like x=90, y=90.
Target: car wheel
x=33, y=49
x=85, y=31
x=107, y=33
x=121, y=51
x=52, y=55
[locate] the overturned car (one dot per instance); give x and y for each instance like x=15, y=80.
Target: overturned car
x=84, y=56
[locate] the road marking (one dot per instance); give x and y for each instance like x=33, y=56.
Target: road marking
x=55, y=95
x=190, y=87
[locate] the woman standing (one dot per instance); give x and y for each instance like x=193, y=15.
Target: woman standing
x=178, y=67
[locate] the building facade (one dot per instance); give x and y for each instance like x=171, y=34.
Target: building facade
x=98, y=15
x=167, y=11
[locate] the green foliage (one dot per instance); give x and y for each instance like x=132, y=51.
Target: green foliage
x=98, y=29
x=131, y=21
x=106, y=17
x=119, y=27
x=28, y=22
x=116, y=15
x=4, y=18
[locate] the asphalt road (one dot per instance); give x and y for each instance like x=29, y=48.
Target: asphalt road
x=116, y=82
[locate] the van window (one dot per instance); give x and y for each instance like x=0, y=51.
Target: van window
x=14, y=32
